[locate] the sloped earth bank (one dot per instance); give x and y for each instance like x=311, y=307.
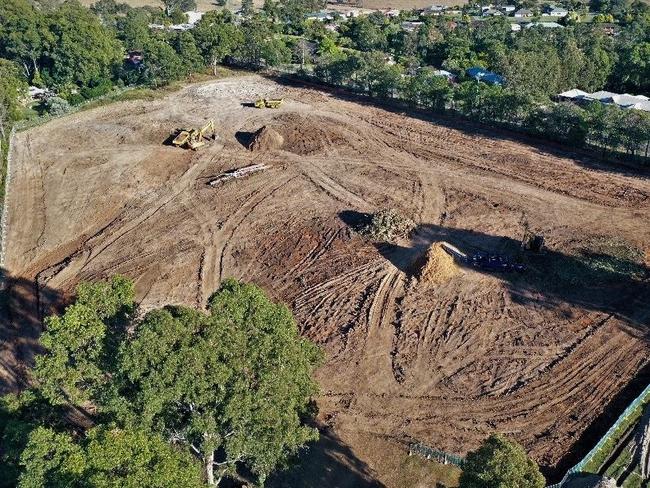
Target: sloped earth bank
x=538, y=355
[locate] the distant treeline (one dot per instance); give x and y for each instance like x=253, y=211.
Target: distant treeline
x=80, y=53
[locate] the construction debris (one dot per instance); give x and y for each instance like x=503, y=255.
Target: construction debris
x=237, y=173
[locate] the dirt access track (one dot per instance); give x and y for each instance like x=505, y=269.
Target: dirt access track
x=539, y=355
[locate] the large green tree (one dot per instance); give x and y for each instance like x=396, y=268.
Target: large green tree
x=217, y=36
x=232, y=385
x=500, y=463
x=172, y=6
x=12, y=88
x=81, y=343
x=24, y=35
x=107, y=457
x=73, y=60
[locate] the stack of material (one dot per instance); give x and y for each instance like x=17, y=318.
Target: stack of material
x=237, y=173
x=436, y=266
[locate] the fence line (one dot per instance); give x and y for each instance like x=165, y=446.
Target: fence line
x=431, y=453
x=4, y=220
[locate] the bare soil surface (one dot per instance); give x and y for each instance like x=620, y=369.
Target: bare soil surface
x=537, y=355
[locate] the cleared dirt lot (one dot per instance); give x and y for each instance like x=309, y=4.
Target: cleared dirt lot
x=538, y=355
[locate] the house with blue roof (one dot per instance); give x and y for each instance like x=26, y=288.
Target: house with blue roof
x=481, y=74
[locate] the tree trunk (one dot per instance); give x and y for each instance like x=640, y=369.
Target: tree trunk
x=209, y=468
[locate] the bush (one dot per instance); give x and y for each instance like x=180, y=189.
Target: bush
x=96, y=91
x=387, y=225
x=57, y=106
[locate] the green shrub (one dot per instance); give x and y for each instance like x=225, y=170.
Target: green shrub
x=387, y=225
x=57, y=106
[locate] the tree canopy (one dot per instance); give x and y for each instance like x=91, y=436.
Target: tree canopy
x=500, y=463
x=231, y=388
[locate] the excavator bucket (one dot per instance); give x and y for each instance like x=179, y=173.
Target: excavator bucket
x=181, y=139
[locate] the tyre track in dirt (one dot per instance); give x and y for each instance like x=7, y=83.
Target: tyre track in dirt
x=443, y=363
x=229, y=228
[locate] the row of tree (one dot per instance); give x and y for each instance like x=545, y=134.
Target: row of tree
x=538, y=61
x=48, y=46
x=605, y=126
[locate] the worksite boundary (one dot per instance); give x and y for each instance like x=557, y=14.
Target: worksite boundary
x=629, y=412
x=436, y=455
x=4, y=218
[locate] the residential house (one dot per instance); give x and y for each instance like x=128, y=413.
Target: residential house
x=410, y=26
x=434, y=10
x=515, y=27
x=625, y=100
x=508, y=9
x=546, y=25
x=481, y=74
x=556, y=11
x=492, y=12
x=441, y=72
x=322, y=16
x=523, y=13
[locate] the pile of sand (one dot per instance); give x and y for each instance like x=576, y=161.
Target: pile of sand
x=265, y=139
x=435, y=266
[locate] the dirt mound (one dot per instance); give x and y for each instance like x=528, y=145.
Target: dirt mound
x=435, y=266
x=265, y=139
x=309, y=134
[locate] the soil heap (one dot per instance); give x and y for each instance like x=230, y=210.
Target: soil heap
x=265, y=139
x=435, y=266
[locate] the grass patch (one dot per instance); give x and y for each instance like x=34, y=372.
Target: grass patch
x=599, y=261
x=634, y=480
x=620, y=464
x=4, y=152
x=594, y=464
x=417, y=472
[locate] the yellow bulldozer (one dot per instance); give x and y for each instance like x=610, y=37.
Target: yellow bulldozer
x=268, y=103
x=194, y=138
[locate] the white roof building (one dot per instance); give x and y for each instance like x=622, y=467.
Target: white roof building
x=547, y=25
x=626, y=101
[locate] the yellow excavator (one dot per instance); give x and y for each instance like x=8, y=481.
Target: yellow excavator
x=268, y=103
x=194, y=138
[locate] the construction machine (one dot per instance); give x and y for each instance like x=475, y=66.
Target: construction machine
x=268, y=103
x=194, y=138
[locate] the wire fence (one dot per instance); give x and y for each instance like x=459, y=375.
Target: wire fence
x=436, y=455
x=4, y=218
